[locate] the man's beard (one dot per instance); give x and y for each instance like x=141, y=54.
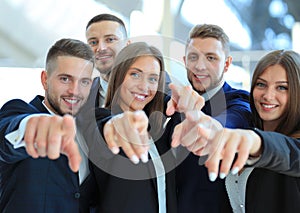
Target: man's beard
x=210, y=87
x=56, y=107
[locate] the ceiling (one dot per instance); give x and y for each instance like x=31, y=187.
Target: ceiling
x=25, y=40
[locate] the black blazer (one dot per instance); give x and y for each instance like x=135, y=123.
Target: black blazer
x=123, y=186
x=274, y=184
x=196, y=193
x=35, y=185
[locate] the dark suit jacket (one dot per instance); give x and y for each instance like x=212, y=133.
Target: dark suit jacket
x=123, y=186
x=34, y=185
x=195, y=192
x=274, y=184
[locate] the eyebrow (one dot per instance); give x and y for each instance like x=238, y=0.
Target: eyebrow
x=277, y=82
x=139, y=70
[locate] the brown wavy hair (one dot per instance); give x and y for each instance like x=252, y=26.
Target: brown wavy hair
x=290, y=61
x=127, y=56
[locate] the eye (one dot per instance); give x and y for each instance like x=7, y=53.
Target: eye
x=153, y=80
x=135, y=75
x=260, y=84
x=64, y=79
x=93, y=43
x=85, y=82
x=211, y=58
x=193, y=57
x=111, y=39
x=282, y=88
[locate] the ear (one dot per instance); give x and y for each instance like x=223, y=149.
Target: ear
x=128, y=42
x=227, y=63
x=44, y=77
x=184, y=60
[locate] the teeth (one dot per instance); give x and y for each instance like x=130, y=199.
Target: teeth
x=141, y=97
x=269, y=106
x=104, y=57
x=71, y=101
x=201, y=76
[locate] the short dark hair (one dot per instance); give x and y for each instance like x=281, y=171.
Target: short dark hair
x=210, y=31
x=68, y=47
x=107, y=17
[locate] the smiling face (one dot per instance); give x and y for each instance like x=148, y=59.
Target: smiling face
x=68, y=86
x=270, y=95
x=206, y=63
x=106, y=38
x=140, y=83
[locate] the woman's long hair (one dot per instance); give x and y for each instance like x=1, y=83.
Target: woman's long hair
x=290, y=61
x=123, y=62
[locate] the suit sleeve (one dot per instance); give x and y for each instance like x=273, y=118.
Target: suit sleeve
x=280, y=153
x=237, y=115
x=11, y=114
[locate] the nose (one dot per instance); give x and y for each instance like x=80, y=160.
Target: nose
x=143, y=85
x=269, y=94
x=101, y=46
x=200, y=64
x=74, y=88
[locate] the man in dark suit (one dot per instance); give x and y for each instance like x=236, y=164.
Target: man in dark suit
x=34, y=177
x=207, y=59
x=107, y=36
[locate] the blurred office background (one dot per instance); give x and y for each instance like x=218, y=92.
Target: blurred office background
x=29, y=27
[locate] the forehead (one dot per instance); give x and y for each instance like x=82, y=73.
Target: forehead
x=205, y=45
x=147, y=64
x=104, y=28
x=274, y=73
x=73, y=66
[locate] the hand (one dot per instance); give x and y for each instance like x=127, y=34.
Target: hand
x=48, y=136
x=184, y=99
x=220, y=144
x=188, y=133
x=129, y=131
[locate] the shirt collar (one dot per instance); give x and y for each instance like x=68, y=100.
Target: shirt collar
x=52, y=113
x=209, y=94
x=104, y=84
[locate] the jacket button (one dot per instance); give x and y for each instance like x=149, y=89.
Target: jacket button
x=77, y=195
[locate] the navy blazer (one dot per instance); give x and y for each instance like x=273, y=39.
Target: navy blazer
x=274, y=184
x=196, y=193
x=122, y=186
x=34, y=185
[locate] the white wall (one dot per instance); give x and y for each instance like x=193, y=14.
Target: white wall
x=23, y=83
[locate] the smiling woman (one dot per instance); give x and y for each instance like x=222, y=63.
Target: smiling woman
x=21, y=83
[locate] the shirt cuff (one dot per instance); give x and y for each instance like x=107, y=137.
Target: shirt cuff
x=252, y=160
x=16, y=137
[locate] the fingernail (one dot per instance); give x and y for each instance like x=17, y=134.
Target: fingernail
x=135, y=159
x=144, y=157
x=222, y=175
x=235, y=170
x=115, y=150
x=212, y=176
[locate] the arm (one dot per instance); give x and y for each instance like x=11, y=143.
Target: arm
x=280, y=153
x=43, y=135
x=131, y=127
x=229, y=149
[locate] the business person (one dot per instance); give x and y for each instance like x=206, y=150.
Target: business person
x=207, y=59
x=42, y=167
x=270, y=180
x=135, y=117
